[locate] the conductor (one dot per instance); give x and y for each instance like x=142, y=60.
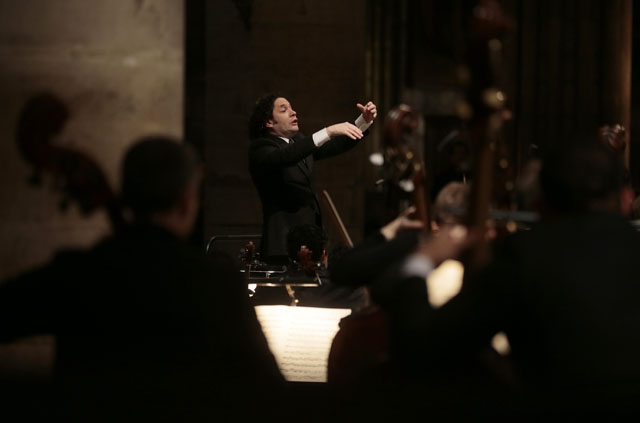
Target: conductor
x=281, y=161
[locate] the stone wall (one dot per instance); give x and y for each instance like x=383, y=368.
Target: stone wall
x=118, y=65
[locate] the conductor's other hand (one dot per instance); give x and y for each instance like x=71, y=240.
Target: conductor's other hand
x=345, y=128
x=369, y=111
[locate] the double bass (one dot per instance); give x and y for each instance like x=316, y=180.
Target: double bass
x=76, y=176
x=361, y=346
x=487, y=114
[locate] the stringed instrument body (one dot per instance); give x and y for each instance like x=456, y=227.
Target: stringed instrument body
x=360, y=349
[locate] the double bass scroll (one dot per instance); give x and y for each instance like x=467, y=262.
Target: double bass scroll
x=76, y=175
x=404, y=163
x=486, y=112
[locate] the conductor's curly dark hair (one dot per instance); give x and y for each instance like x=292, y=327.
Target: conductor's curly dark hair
x=262, y=112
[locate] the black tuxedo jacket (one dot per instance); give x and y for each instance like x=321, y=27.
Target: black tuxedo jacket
x=283, y=175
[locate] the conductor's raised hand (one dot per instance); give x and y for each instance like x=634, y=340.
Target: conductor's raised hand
x=369, y=111
x=345, y=128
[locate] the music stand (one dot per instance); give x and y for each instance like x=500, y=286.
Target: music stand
x=262, y=274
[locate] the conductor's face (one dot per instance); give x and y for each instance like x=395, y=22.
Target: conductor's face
x=285, y=121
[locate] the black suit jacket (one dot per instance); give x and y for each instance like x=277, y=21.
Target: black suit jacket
x=566, y=294
x=283, y=175
x=146, y=328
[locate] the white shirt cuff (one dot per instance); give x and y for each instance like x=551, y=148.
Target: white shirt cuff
x=362, y=124
x=417, y=265
x=320, y=137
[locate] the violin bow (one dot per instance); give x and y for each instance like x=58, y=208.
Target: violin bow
x=335, y=217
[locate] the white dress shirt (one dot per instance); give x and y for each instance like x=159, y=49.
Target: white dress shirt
x=322, y=136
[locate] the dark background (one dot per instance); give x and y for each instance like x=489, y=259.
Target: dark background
x=566, y=69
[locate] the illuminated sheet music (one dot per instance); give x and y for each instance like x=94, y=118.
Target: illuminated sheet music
x=300, y=338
